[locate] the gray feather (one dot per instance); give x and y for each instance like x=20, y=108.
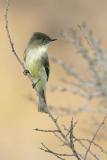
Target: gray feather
x=42, y=103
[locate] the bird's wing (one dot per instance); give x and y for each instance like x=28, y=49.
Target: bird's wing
x=45, y=62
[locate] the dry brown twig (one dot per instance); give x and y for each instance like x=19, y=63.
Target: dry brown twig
x=91, y=142
x=58, y=155
x=68, y=139
x=43, y=130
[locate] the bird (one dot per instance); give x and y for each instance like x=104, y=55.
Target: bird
x=37, y=65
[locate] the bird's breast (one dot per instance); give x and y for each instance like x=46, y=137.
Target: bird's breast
x=34, y=61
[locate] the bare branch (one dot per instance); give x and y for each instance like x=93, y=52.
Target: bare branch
x=42, y=130
x=9, y=36
x=55, y=153
x=91, y=142
x=91, y=153
x=96, y=145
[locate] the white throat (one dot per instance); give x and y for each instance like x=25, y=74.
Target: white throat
x=42, y=49
x=37, y=53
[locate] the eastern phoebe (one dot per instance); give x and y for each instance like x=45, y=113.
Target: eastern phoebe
x=37, y=65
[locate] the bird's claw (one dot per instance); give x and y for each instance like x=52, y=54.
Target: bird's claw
x=35, y=83
x=25, y=72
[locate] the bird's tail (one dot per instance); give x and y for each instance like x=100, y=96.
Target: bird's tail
x=42, y=102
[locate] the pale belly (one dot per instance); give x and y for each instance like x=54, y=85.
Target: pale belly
x=35, y=67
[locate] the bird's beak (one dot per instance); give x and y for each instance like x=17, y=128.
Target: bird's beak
x=53, y=40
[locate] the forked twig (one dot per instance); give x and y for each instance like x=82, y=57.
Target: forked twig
x=91, y=142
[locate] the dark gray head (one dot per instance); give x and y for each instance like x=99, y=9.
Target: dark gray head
x=39, y=38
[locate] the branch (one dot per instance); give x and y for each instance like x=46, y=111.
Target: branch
x=9, y=36
x=11, y=41
x=46, y=149
x=43, y=130
x=95, y=144
x=91, y=142
x=91, y=153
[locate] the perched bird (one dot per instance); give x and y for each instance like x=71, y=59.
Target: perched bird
x=37, y=65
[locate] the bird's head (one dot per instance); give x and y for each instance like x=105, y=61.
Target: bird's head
x=39, y=39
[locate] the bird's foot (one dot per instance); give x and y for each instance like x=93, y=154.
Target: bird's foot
x=25, y=72
x=35, y=83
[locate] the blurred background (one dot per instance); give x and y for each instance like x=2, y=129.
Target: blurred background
x=18, y=113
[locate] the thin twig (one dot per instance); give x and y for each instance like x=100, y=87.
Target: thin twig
x=91, y=142
x=95, y=144
x=66, y=141
x=43, y=130
x=46, y=149
x=59, y=154
x=91, y=153
x=9, y=36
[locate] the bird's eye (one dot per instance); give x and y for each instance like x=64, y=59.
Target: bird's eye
x=45, y=41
